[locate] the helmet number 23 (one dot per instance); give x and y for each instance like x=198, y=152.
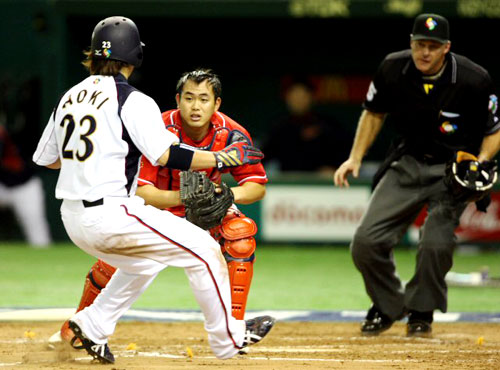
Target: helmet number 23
x=69, y=123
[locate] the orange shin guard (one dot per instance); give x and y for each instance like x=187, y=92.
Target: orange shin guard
x=238, y=248
x=240, y=277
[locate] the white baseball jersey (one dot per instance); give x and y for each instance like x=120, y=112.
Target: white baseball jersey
x=99, y=129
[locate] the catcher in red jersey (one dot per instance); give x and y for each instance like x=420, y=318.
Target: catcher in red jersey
x=198, y=123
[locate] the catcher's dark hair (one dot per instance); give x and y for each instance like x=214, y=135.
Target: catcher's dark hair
x=103, y=67
x=199, y=75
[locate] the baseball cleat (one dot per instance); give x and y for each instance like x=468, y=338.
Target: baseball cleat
x=257, y=328
x=244, y=351
x=68, y=336
x=375, y=322
x=65, y=335
x=99, y=352
x=419, y=324
x=420, y=329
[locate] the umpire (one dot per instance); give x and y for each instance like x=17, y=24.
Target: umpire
x=439, y=103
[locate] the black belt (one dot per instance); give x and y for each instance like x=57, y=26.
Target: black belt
x=98, y=202
x=429, y=159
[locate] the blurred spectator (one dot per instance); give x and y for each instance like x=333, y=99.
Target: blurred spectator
x=20, y=188
x=319, y=143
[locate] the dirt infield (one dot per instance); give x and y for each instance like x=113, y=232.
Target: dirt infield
x=289, y=346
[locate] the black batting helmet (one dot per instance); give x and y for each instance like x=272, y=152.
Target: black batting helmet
x=117, y=38
x=470, y=180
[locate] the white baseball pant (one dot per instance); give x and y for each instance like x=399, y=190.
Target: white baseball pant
x=141, y=241
x=28, y=203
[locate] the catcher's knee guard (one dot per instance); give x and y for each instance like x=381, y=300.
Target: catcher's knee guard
x=96, y=280
x=238, y=248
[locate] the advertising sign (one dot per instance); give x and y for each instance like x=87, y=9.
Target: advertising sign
x=312, y=213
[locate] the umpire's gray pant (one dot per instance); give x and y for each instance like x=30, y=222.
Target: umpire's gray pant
x=407, y=186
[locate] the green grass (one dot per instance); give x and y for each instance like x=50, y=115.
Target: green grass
x=286, y=277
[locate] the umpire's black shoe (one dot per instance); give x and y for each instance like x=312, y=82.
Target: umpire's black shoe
x=419, y=324
x=99, y=352
x=257, y=328
x=375, y=322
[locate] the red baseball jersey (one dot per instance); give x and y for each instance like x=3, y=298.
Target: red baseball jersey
x=223, y=131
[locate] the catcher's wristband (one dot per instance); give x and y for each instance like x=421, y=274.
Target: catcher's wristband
x=180, y=157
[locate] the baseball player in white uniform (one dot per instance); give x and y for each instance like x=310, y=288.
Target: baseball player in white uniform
x=95, y=136
x=22, y=191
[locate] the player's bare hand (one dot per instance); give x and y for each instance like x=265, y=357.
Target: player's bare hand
x=350, y=166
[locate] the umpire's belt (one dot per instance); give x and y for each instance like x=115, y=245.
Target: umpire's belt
x=98, y=202
x=429, y=159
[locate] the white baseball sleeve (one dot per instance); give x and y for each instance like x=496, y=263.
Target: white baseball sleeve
x=142, y=118
x=47, y=152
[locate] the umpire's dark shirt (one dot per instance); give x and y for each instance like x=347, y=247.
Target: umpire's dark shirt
x=453, y=113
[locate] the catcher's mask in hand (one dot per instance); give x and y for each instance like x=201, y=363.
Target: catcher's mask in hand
x=470, y=180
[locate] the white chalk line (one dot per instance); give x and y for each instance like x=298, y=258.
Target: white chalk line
x=346, y=347
x=307, y=349
x=347, y=341
x=396, y=352
x=289, y=359
x=249, y=358
x=397, y=338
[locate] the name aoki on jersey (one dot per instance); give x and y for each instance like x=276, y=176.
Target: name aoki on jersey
x=82, y=97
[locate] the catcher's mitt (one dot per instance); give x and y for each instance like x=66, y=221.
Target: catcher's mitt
x=205, y=203
x=468, y=179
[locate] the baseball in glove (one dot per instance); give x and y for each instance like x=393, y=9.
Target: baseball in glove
x=205, y=203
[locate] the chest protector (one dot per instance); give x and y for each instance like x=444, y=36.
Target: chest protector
x=217, y=138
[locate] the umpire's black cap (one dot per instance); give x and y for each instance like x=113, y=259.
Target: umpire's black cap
x=431, y=27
